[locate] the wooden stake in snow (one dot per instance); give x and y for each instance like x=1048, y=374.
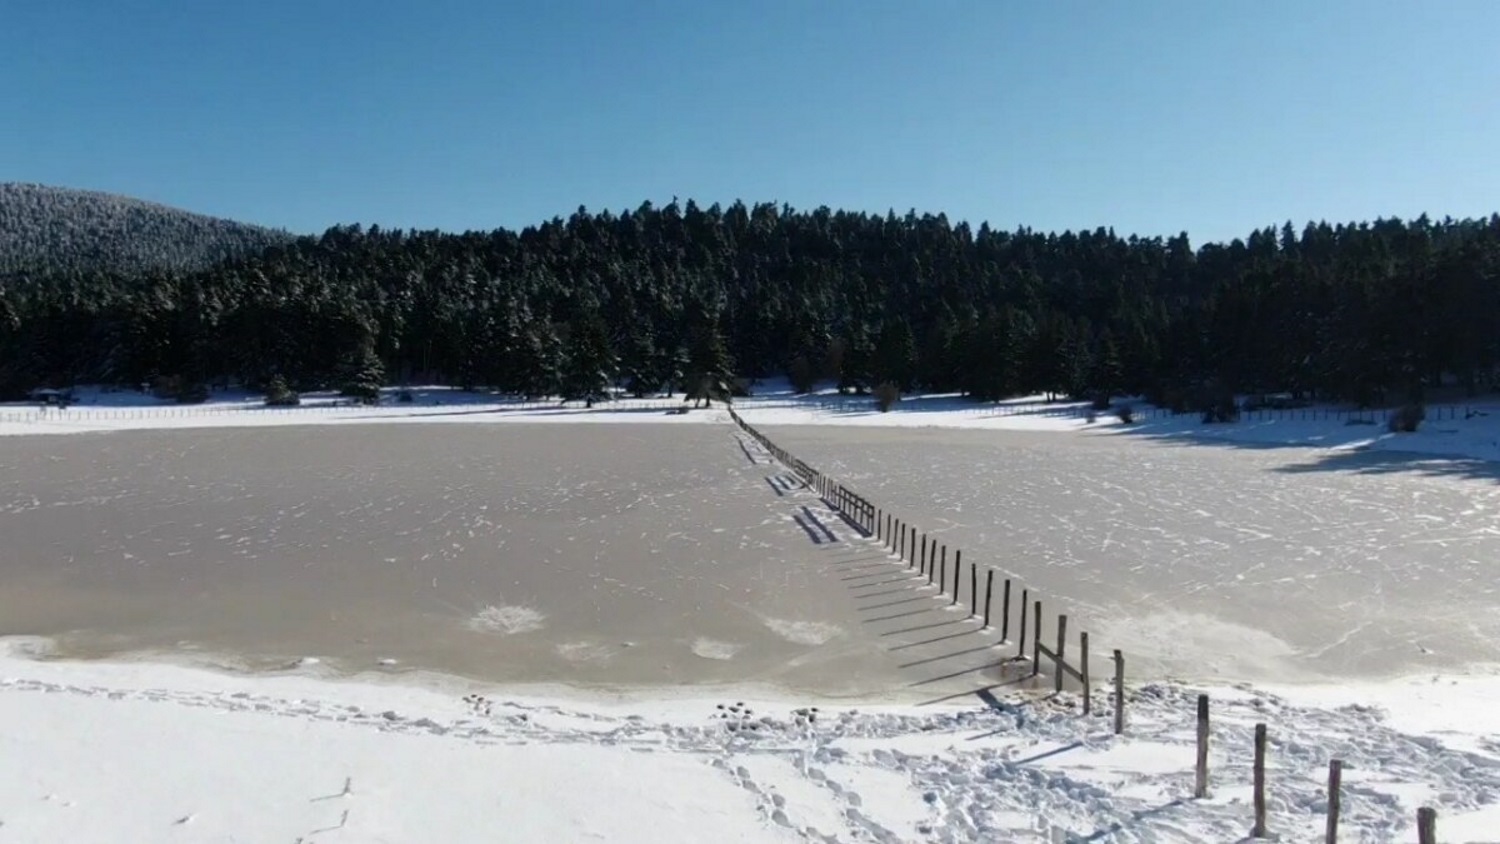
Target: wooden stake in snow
x=989, y=596
x=1427, y=825
x=1335, y=777
x=1200, y=783
x=973, y=589
x=1083, y=669
x=942, y=580
x=1036, y=639
x=1057, y=655
x=1021, y=649
x=1005, y=612
x=1119, y=692
x=1259, y=830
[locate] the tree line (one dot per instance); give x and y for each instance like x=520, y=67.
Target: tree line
x=678, y=296
x=49, y=229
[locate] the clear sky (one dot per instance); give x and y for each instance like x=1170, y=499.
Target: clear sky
x=1209, y=116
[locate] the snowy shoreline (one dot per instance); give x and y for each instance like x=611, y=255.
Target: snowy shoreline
x=136, y=751
x=1453, y=431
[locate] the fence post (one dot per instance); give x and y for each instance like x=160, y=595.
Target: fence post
x=1200, y=780
x=1021, y=650
x=973, y=589
x=1259, y=830
x=1036, y=638
x=1057, y=655
x=1119, y=692
x=989, y=595
x=1427, y=825
x=957, y=570
x=942, y=581
x=923, y=567
x=1335, y=778
x=1083, y=670
x=1005, y=613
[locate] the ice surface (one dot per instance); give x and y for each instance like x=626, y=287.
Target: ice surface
x=1206, y=560
x=595, y=555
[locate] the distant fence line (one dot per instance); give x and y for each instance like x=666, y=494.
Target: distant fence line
x=930, y=558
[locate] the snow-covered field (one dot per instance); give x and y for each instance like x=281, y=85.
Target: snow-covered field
x=150, y=751
x=112, y=752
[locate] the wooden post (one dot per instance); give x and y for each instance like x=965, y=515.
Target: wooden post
x=1427, y=825
x=1036, y=638
x=1119, y=692
x=1335, y=778
x=924, y=553
x=942, y=580
x=957, y=570
x=1005, y=613
x=989, y=595
x=1083, y=669
x=1259, y=829
x=878, y=517
x=1057, y=655
x=973, y=590
x=1200, y=781
x=931, y=560
x=1021, y=650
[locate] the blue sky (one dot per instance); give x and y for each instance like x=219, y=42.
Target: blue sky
x=1151, y=117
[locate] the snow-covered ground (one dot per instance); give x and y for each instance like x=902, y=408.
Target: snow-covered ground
x=138, y=751
x=121, y=752
x=1455, y=430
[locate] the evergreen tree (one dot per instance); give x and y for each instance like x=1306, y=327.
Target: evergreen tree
x=896, y=355
x=709, y=369
x=589, y=365
x=363, y=375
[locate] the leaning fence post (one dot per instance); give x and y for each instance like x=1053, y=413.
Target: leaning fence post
x=1200, y=780
x=1427, y=825
x=1259, y=830
x=1119, y=692
x=1335, y=777
x=1057, y=656
x=989, y=595
x=1083, y=671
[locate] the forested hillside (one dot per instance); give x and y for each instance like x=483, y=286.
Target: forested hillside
x=1364, y=312
x=57, y=229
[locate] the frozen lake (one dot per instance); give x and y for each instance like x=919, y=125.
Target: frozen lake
x=1206, y=559
x=595, y=554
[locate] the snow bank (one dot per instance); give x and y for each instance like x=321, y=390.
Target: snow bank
x=147, y=752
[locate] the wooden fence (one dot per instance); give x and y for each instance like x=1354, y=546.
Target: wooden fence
x=929, y=558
